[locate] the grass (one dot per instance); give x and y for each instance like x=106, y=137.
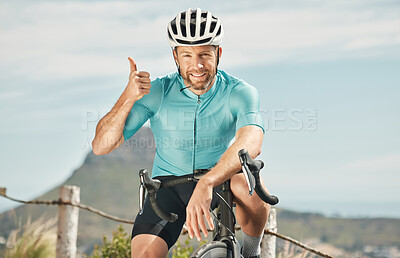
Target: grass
x=35, y=239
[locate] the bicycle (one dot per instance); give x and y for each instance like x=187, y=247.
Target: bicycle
x=224, y=242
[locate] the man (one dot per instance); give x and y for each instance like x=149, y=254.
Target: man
x=194, y=115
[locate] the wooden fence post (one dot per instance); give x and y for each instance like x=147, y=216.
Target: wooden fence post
x=2, y=191
x=67, y=231
x=268, y=244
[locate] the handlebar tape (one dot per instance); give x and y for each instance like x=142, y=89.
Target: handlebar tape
x=152, y=186
x=255, y=166
x=270, y=199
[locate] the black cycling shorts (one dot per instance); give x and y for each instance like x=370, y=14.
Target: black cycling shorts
x=173, y=199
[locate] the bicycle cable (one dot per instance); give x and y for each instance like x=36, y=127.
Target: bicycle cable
x=227, y=205
x=230, y=232
x=229, y=208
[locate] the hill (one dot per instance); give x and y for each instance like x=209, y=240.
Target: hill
x=369, y=237
x=110, y=183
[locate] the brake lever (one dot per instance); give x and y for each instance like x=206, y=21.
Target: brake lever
x=152, y=186
x=251, y=170
x=142, y=190
x=250, y=180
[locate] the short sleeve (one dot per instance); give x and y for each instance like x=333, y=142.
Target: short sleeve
x=245, y=106
x=144, y=109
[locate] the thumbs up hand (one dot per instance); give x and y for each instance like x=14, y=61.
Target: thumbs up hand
x=139, y=82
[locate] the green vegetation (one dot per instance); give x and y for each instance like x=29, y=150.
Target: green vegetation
x=118, y=247
x=182, y=250
x=34, y=240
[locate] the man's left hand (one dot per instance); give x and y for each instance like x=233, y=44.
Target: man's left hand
x=198, y=208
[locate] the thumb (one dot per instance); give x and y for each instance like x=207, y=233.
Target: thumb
x=133, y=64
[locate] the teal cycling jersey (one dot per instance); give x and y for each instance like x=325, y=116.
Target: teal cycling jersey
x=193, y=131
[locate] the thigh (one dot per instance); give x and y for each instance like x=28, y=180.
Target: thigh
x=239, y=188
x=248, y=207
x=240, y=192
x=148, y=223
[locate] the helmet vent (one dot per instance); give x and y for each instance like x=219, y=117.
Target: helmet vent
x=173, y=27
x=183, y=27
x=195, y=27
x=219, y=31
x=212, y=27
x=202, y=28
x=192, y=30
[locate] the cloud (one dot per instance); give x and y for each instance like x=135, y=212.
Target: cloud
x=380, y=163
x=13, y=94
x=370, y=42
x=77, y=39
x=46, y=43
x=311, y=34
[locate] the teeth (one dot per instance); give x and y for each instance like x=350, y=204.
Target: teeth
x=198, y=75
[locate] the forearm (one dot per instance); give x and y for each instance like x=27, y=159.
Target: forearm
x=109, y=130
x=249, y=138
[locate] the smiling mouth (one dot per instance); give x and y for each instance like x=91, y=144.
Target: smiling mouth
x=198, y=75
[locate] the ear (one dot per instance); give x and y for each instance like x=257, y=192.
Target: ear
x=220, y=51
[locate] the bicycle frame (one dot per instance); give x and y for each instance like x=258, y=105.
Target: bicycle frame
x=225, y=211
x=225, y=229
x=224, y=236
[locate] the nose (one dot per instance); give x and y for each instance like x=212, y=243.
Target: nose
x=199, y=62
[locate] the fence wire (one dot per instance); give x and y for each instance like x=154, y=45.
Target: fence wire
x=117, y=219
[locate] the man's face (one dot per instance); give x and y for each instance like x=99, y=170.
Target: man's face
x=198, y=65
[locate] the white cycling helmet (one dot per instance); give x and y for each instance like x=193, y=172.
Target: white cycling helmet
x=195, y=28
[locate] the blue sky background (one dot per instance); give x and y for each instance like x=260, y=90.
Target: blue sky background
x=327, y=73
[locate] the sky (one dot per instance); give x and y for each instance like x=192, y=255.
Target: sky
x=327, y=73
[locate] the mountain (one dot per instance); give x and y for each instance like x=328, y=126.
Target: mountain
x=357, y=237
x=110, y=183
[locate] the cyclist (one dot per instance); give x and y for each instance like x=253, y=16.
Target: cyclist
x=194, y=114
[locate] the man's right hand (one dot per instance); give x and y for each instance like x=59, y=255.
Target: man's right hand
x=139, y=82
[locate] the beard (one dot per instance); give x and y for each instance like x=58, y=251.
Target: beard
x=198, y=83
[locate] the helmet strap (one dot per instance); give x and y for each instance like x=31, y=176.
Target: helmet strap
x=217, y=56
x=176, y=63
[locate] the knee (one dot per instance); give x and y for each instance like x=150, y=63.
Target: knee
x=252, y=203
x=148, y=247
x=145, y=253
x=253, y=206
x=258, y=206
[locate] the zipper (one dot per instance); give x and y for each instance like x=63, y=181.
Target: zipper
x=194, y=131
